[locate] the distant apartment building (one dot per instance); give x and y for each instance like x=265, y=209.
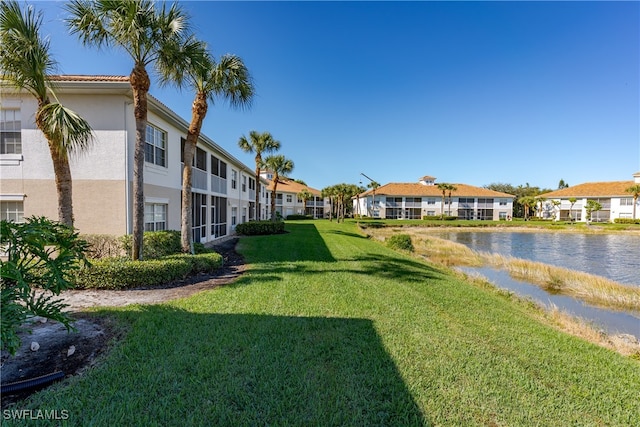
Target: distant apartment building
x=425, y=199
x=289, y=202
x=223, y=187
x=570, y=203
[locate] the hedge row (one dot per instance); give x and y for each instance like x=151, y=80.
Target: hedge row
x=296, y=217
x=626, y=221
x=121, y=274
x=255, y=228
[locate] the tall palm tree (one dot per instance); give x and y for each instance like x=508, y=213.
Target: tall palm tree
x=450, y=189
x=229, y=80
x=26, y=64
x=634, y=190
x=304, y=195
x=527, y=202
x=148, y=32
x=280, y=166
x=444, y=187
x=258, y=143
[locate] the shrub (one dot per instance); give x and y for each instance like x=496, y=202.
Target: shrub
x=39, y=253
x=155, y=244
x=626, y=221
x=103, y=246
x=119, y=274
x=400, y=241
x=296, y=217
x=255, y=228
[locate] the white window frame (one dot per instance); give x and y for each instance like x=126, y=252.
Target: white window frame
x=157, y=139
x=12, y=210
x=159, y=215
x=6, y=129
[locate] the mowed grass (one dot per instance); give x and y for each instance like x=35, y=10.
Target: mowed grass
x=328, y=328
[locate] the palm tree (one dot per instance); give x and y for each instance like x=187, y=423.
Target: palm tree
x=374, y=186
x=444, y=187
x=26, y=64
x=258, y=143
x=451, y=188
x=228, y=79
x=280, y=166
x=304, y=195
x=634, y=190
x=527, y=202
x=148, y=33
x=540, y=202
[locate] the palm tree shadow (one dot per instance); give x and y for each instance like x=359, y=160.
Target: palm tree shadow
x=276, y=370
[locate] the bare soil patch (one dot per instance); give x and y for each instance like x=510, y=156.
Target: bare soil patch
x=73, y=352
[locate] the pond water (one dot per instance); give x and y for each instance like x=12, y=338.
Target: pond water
x=613, y=322
x=614, y=256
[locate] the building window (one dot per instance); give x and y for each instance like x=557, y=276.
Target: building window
x=289, y=198
x=10, y=132
x=502, y=215
x=503, y=202
x=244, y=214
x=155, y=217
x=431, y=213
x=12, y=211
x=234, y=179
x=201, y=159
x=155, y=147
x=234, y=215
x=244, y=184
x=626, y=201
x=431, y=201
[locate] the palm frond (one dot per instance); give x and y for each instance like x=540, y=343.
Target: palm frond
x=230, y=80
x=25, y=60
x=65, y=128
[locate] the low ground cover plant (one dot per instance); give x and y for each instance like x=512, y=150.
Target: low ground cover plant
x=39, y=254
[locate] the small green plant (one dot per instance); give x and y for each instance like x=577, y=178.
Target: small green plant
x=400, y=241
x=39, y=254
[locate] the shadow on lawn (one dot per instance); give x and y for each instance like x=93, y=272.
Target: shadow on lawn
x=246, y=369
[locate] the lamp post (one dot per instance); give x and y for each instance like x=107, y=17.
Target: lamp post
x=373, y=185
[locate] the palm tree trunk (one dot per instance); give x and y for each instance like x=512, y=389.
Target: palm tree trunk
x=61, y=170
x=258, y=160
x=62, y=173
x=198, y=113
x=273, y=201
x=139, y=80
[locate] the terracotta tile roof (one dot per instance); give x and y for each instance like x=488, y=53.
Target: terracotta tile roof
x=290, y=186
x=85, y=78
x=416, y=189
x=592, y=189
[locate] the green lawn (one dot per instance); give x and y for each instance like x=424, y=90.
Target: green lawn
x=328, y=328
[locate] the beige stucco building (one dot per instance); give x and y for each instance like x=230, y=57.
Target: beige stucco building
x=223, y=187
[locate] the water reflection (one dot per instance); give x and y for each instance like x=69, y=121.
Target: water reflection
x=613, y=322
x=613, y=256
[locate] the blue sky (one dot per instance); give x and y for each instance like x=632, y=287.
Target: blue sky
x=468, y=92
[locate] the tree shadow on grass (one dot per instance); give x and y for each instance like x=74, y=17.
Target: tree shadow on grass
x=177, y=367
x=367, y=264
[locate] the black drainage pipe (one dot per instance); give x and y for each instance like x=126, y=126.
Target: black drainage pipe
x=20, y=386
